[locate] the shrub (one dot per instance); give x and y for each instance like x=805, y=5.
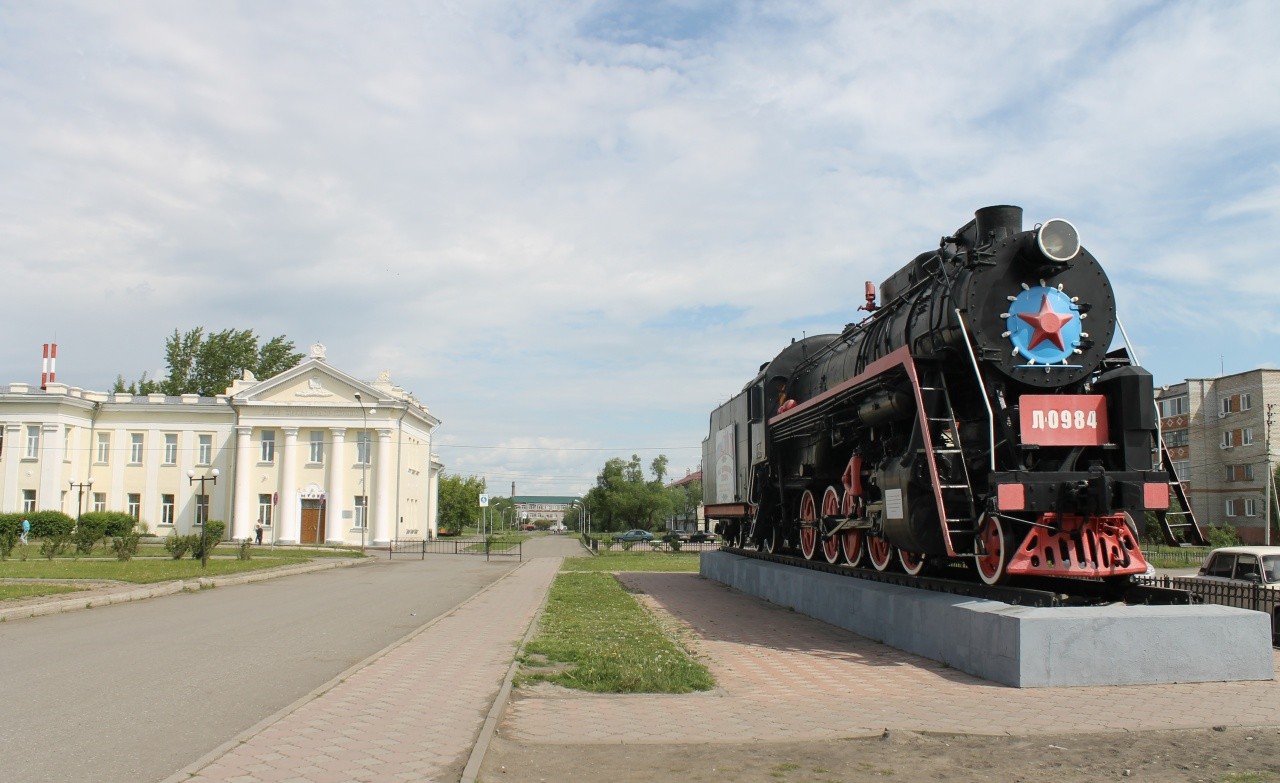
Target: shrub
x=48, y=523
x=1222, y=535
x=8, y=540
x=113, y=523
x=55, y=543
x=177, y=545
x=214, y=528
x=246, y=549
x=88, y=531
x=126, y=546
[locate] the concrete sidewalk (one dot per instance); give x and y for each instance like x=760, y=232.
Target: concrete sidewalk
x=412, y=712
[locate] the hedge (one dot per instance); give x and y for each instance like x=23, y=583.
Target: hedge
x=43, y=523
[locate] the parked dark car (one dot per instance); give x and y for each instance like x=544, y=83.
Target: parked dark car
x=702, y=537
x=673, y=535
x=635, y=535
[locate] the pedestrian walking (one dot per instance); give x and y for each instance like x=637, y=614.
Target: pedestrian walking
x=257, y=533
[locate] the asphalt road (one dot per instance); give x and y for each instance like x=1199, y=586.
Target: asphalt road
x=134, y=692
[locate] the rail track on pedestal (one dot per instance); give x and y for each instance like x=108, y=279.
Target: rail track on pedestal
x=1031, y=592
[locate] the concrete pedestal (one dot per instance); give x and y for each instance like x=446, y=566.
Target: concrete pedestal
x=1021, y=646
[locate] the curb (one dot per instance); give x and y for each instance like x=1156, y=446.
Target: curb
x=61, y=605
x=471, y=772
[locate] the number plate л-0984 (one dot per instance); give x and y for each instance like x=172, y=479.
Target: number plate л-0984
x=1063, y=419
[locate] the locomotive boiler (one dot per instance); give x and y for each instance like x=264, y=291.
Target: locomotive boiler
x=975, y=416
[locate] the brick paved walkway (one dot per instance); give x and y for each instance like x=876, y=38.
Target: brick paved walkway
x=783, y=676
x=412, y=714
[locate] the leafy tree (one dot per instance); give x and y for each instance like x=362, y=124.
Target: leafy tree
x=207, y=364
x=624, y=498
x=459, y=502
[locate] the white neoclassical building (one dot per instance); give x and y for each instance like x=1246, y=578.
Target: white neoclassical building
x=313, y=455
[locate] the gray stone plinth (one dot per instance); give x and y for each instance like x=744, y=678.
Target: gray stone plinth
x=1021, y=646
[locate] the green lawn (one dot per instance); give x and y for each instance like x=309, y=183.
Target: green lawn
x=634, y=561
x=595, y=636
x=154, y=565
x=33, y=590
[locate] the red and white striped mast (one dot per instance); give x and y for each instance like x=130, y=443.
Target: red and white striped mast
x=48, y=371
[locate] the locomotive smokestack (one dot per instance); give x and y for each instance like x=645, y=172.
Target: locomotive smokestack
x=996, y=223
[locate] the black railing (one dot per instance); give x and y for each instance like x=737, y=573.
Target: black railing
x=1255, y=597
x=490, y=548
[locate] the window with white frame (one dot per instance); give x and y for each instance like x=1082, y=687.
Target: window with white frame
x=135, y=448
x=1242, y=507
x=362, y=447
x=166, y=509
x=202, y=509
x=204, y=455
x=268, y=447
x=1251, y=507
x=1173, y=406
x=66, y=439
x=1246, y=436
x=1242, y=472
x=33, y=442
x=171, y=448
x=1246, y=401
x=99, y=501
x=1, y=441
x=317, y=447
x=104, y=448
x=28, y=500
x=1182, y=469
x=265, y=507
x=361, y=511
x=135, y=505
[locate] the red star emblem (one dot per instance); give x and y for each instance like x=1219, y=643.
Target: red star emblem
x=1047, y=323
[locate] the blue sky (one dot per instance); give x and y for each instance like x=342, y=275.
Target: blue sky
x=574, y=228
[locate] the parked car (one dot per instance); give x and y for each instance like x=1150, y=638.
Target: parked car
x=1251, y=565
x=673, y=535
x=634, y=535
x=702, y=537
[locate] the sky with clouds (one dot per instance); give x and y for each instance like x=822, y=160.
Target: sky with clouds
x=573, y=228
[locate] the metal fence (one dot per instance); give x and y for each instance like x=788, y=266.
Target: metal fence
x=1255, y=597
x=499, y=549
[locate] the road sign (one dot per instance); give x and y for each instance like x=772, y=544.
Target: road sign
x=484, y=501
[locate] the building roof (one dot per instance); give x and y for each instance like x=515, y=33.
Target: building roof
x=694, y=476
x=563, y=499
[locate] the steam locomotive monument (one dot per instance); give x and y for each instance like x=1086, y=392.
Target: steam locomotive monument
x=974, y=425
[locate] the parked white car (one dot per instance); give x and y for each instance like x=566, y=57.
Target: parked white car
x=1251, y=565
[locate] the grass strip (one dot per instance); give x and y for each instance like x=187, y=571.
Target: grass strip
x=609, y=642
x=634, y=561
x=8, y=592
x=145, y=571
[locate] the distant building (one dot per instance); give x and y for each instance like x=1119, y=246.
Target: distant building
x=691, y=521
x=551, y=508
x=293, y=453
x=1216, y=432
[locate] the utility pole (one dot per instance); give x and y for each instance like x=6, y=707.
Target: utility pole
x=1268, y=487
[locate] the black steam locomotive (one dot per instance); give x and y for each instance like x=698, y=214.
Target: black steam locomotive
x=974, y=416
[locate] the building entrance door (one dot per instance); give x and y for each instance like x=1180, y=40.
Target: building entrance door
x=312, y=522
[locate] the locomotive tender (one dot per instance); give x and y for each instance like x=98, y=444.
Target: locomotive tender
x=974, y=416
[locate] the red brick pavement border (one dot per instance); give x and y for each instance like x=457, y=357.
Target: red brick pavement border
x=411, y=712
x=783, y=676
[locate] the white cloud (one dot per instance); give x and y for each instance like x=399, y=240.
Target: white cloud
x=574, y=226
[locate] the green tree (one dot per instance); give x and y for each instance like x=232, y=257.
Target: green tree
x=624, y=498
x=459, y=502
x=207, y=364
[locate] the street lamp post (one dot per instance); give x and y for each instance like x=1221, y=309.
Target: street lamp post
x=192, y=478
x=82, y=486
x=364, y=466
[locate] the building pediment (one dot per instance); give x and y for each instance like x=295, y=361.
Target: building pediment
x=313, y=382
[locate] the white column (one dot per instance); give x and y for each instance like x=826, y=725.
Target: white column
x=242, y=515
x=49, y=492
x=336, y=494
x=383, y=504
x=15, y=437
x=290, y=525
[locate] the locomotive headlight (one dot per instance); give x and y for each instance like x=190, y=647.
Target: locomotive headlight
x=1058, y=241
